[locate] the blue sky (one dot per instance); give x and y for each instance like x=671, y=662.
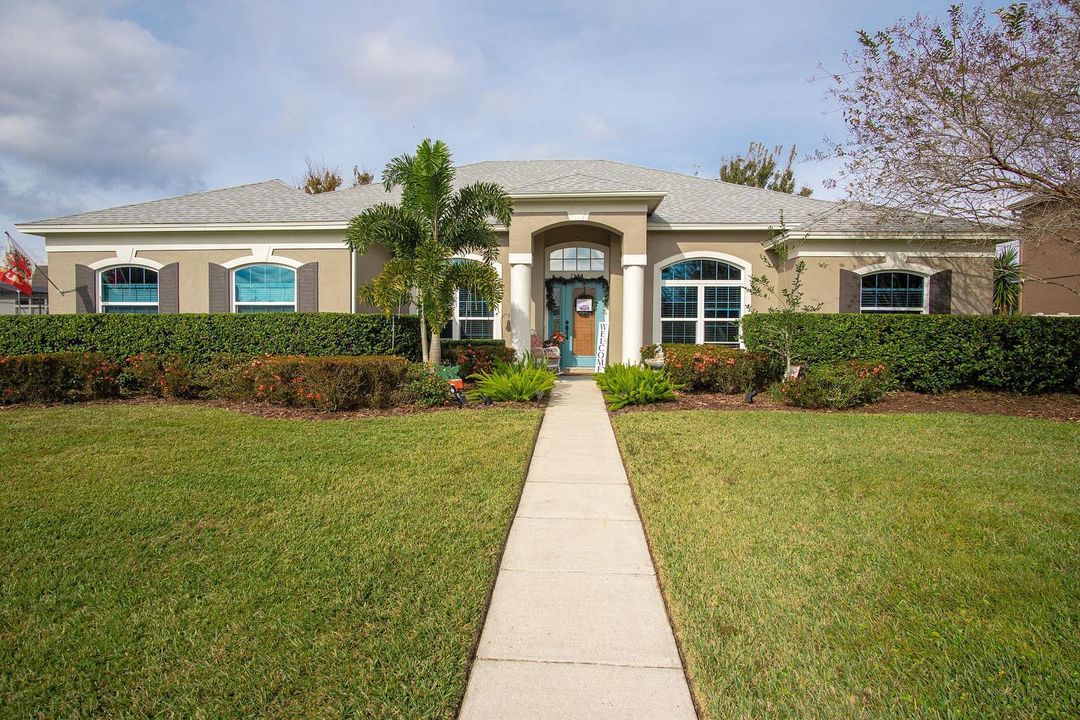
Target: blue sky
x=110, y=102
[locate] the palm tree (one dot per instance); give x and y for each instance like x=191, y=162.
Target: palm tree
x=1008, y=277
x=425, y=233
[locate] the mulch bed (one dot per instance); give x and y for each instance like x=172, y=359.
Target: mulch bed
x=1063, y=407
x=287, y=413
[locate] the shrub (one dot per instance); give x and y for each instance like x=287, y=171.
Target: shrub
x=841, y=385
x=326, y=383
x=198, y=338
x=424, y=387
x=624, y=385
x=715, y=368
x=521, y=381
x=476, y=356
x=160, y=375
x=57, y=377
x=934, y=353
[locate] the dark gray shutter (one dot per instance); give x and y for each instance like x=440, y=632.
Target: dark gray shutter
x=85, y=290
x=219, y=288
x=941, y=293
x=168, y=279
x=307, y=288
x=850, y=292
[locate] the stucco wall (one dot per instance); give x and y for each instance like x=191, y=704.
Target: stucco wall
x=1051, y=265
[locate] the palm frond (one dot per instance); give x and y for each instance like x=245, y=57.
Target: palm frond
x=392, y=287
x=391, y=226
x=479, y=278
x=482, y=200
x=398, y=171
x=431, y=185
x=465, y=236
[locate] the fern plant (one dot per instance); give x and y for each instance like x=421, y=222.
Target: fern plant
x=624, y=385
x=520, y=381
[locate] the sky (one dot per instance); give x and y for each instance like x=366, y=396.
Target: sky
x=104, y=103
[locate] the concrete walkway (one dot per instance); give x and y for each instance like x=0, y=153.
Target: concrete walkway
x=577, y=627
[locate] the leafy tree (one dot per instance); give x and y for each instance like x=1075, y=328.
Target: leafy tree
x=786, y=303
x=431, y=226
x=759, y=168
x=1008, y=279
x=319, y=178
x=361, y=177
x=968, y=117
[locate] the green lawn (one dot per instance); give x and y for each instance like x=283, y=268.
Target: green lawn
x=182, y=561
x=867, y=566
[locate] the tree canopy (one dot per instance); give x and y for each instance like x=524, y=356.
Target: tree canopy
x=968, y=117
x=759, y=167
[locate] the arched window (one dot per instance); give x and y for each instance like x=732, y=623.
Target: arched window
x=701, y=301
x=129, y=289
x=474, y=319
x=893, y=292
x=576, y=259
x=264, y=288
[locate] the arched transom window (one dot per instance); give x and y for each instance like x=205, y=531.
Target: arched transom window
x=576, y=259
x=893, y=292
x=129, y=289
x=701, y=301
x=264, y=288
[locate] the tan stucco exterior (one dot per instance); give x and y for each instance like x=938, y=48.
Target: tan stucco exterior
x=620, y=229
x=1052, y=269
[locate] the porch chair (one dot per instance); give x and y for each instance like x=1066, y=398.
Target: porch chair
x=552, y=355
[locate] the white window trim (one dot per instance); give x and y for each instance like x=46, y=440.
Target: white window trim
x=900, y=267
x=699, y=334
x=233, y=304
x=496, y=312
x=101, y=266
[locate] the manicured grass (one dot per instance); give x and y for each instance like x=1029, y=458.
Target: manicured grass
x=183, y=561
x=867, y=566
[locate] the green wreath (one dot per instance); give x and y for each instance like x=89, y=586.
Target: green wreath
x=549, y=288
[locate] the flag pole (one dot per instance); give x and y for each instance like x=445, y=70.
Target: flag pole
x=36, y=266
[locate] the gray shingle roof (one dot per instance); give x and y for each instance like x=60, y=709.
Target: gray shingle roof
x=271, y=202
x=688, y=200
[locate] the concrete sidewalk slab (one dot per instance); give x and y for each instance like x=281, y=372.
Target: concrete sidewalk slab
x=577, y=626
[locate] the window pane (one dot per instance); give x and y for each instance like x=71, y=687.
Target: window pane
x=131, y=309
x=470, y=305
x=892, y=291
x=722, y=302
x=556, y=264
x=679, y=331
x=597, y=264
x=678, y=302
x=722, y=332
x=701, y=270
x=129, y=284
x=265, y=283
x=265, y=308
x=477, y=329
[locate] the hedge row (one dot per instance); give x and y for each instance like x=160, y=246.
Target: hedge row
x=933, y=353
x=199, y=338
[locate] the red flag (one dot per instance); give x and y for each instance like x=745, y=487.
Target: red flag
x=16, y=269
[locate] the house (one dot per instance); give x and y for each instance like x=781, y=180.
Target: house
x=660, y=255
x=1051, y=262
x=12, y=302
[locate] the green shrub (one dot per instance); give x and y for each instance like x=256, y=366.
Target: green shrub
x=624, y=385
x=475, y=356
x=57, y=377
x=424, y=387
x=325, y=383
x=160, y=375
x=521, y=381
x=934, y=353
x=715, y=368
x=841, y=385
x=199, y=338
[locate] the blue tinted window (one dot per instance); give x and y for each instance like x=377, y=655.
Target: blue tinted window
x=265, y=284
x=701, y=270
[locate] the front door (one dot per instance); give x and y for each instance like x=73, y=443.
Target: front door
x=579, y=310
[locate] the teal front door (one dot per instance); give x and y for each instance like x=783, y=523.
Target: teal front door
x=577, y=315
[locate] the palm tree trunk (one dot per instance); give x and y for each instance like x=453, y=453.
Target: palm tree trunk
x=423, y=338
x=435, y=355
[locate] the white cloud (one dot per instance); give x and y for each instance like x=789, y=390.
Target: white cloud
x=89, y=105
x=402, y=75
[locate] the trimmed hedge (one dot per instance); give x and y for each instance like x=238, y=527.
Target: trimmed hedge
x=325, y=383
x=842, y=385
x=198, y=338
x=934, y=353
x=57, y=377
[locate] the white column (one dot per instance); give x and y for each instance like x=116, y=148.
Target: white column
x=633, y=307
x=520, y=300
